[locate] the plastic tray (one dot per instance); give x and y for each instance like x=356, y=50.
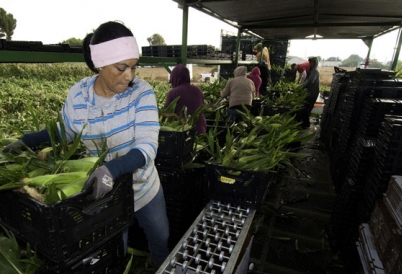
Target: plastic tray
x=71, y=226
x=174, y=148
x=107, y=257
x=243, y=187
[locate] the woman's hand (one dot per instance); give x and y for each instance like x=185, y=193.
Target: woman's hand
x=101, y=180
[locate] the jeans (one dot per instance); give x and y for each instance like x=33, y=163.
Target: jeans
x=234, y=116
x=153, y=220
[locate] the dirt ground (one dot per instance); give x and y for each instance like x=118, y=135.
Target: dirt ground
x=161, y=74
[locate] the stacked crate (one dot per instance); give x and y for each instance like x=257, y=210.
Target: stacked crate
x=277, y=51
x=38, y=46
x=371, y=262
x=385, y=225
x=359, y=161
x=74, y=235
x=193, y=51
x=385, y=163
x=183, y=187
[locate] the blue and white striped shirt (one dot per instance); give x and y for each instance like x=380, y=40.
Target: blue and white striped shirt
x=127, y=121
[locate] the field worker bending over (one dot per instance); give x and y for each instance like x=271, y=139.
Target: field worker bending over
x=116, y=107
x=241, y=91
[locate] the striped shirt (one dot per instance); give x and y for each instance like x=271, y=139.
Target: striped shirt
x=129, y=120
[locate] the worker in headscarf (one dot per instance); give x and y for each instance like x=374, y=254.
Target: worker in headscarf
x=312, y=84
x=255, y=76
x=241, y=92
x=190, y=95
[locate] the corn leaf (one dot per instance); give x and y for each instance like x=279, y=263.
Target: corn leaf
x=9, y=254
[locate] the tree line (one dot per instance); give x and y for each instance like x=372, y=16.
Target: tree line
x=7, y=24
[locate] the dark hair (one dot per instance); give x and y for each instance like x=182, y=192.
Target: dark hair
x=105, y=32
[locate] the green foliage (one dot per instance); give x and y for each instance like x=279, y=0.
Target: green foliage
x=398, y=65
x=156, y=40
x=14, y=260
x=7, y=24
x=333, y=59
x=352, y=61
x=213, y=102
x=399, y=72
x=73, y=41
x=374, y=63
x=41, y=87
x=287, y=95
x=258, y=143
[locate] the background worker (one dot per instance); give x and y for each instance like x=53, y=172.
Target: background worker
x=265, y=77
x=241, y=92
x=264, y=63
x=116, y=107
x=312, y=84
x=190, y=96
x=303, y=69
x=290, y=74
x=262, y=53
x=255, y=77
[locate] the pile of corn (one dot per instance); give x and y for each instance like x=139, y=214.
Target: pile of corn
x=44, y=177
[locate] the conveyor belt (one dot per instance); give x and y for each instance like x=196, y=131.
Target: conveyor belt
x=214, y=241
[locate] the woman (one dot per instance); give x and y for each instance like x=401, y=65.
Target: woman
x=241, y=92
x=255, y=76
x=190, y=95
x=117, y=109
x=312, y=84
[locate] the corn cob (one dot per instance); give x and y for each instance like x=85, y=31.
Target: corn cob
x=7, y=141
x=37, y=172
x=72, y=188
x=83, y=164
x=59, y=179
x=45, y=153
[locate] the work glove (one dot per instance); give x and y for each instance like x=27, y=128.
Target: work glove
x=13, y=147
x=101, y=180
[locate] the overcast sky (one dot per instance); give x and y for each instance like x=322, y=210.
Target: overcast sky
x=52, y=21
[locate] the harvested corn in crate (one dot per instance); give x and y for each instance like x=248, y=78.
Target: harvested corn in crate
x=71, y=226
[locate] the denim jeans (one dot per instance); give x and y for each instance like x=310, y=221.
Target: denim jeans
x=234, y=116
x=153, y=220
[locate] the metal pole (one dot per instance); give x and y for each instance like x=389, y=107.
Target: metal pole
x=184, y=34
x=398, y=50
x=369, y=43
x=236, y=60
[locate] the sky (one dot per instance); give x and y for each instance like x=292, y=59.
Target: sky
x=53, y=21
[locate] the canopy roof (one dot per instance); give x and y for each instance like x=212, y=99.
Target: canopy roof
x=300, y=19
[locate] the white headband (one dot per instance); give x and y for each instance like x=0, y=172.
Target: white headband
x=114, y=51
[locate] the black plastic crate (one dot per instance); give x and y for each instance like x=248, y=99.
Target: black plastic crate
x=23, y=45
x=146, y=51
x=182, y=185
x=183, y=191
x=71, y=226
x=244, y=187
x=107, y=257
x=175, y=148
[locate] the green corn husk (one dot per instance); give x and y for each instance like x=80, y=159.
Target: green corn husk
x=83, y=164
x=59, y=179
